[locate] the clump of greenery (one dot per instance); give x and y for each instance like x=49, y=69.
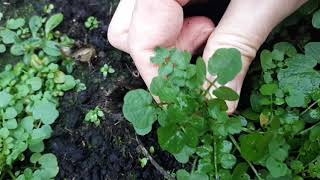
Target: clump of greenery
x=276, y=138
x=107, y=69
x=29, y=94
x=94, y=116
x=92, y=23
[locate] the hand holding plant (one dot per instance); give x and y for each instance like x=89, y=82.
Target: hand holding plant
x=139, y=26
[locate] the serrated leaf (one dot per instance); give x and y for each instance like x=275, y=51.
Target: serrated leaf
x=276, y=168
x=184, y=154
x=225, y=64
x=138, y=110
x=228, y=161
x=225, y=93
x=164, y=89
x=254, y=146
x=266, y=60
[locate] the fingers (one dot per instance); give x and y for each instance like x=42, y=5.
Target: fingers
x=120, y=24
x=245, y=25
x=194, y=33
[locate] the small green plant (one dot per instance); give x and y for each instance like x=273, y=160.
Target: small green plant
x=48, y=8
x=278, y=137
x=29, y=94
x=92, y=23
x=143, y=162
x=107, y=69
x=94, y=116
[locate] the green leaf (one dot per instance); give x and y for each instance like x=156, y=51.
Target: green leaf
x=45, y=111
x=226, y=93
x=198, y=79
x=266, y=60
x=254, y=146
x=161, y=55
x=53, y=22
x=184, y=154
x=276, y=168
x=171, y=139
x=233, y=125
x=17, y=49
x=10, y=113
x=268, y=89
x=8, y=36
x=49, y=164
x=226, y=64
x=316, y=19
x=51, y=48
x=225, y=146
x=286, y=48
x=313, y=49
x=11, y=124
x=300, y=77
x=180, y=59
x=164, y=89
x=5, y=99
x=228, y=161
x=69, y=83
x=35, y=24
x=2, y=48
x=15, y=23
x=240, y=172
x=138, y=110
x=184, y=175
x=27, y=123
x=35, y=83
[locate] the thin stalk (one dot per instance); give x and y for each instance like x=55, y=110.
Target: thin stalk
x=250, y=164
x=309, y=129
x=194, y=164
x=215, y=158
x=313, y=104
x=11, y=175
x=211, y=84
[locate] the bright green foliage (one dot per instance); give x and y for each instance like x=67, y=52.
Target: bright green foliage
x=106, y=69
x=94, y=116
x=91, y=23
x=29, y=94
x=225, y=64
x=189, y=124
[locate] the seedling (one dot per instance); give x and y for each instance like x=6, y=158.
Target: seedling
x=29, y=94
x=92, y=23
x=143, y=162
x=107, y=69
x=94, y=116
x=48, y=8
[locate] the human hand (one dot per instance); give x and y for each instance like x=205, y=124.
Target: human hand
x=139, y=26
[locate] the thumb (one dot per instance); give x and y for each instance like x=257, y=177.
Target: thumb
x=245, y=26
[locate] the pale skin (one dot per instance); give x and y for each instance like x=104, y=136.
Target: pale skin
x=139, y=26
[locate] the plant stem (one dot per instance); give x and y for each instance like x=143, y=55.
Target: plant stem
x=211, y=84
x=11, y=175
x=250, y=164
x=313, y=104
x=309, y=129
x=215, y=158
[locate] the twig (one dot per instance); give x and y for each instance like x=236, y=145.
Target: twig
x=250, y=164
x=153, y=162
x=310, y=128
x=313, y=104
